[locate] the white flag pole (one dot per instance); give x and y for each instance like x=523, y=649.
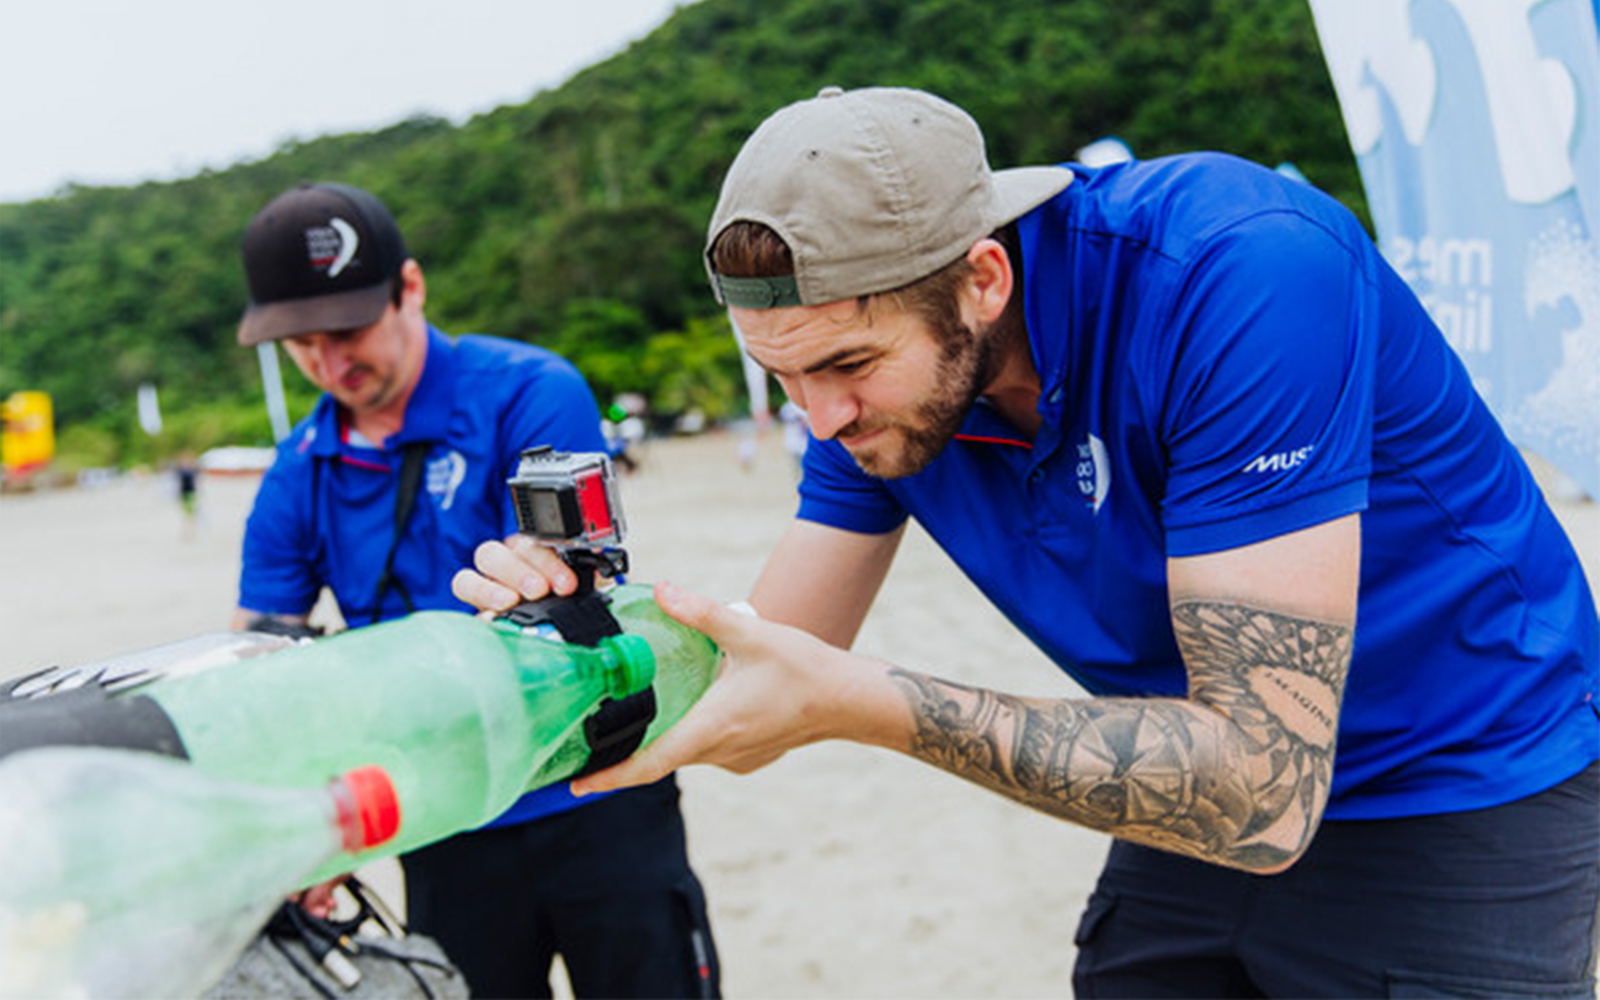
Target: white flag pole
x=272, y=386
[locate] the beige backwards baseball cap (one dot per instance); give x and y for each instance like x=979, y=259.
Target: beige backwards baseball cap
x=871, y=190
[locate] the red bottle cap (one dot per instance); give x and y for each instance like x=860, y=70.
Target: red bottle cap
x=375, y=802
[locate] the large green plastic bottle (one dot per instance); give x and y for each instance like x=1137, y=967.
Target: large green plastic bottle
x=458, y=711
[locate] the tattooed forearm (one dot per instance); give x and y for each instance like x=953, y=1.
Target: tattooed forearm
x=1237, y=774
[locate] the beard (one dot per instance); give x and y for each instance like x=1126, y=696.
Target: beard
x=966, y=365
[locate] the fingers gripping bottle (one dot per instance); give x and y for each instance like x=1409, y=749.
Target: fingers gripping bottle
x=458, y=711
x=134, y=874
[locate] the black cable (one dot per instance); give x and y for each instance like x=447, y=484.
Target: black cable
x=387, y=952
x=306, y=973
x=322, y=935
x=410, y=962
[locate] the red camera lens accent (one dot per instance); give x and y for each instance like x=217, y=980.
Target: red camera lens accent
x=593, y=502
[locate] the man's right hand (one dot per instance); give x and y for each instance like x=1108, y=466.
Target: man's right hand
x=510, y=572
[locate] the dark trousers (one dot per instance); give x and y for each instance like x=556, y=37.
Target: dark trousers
x=1495, y=902
x=606, y=885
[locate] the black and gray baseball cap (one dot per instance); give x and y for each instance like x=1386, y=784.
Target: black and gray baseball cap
x=871, y=190
x=319, y=257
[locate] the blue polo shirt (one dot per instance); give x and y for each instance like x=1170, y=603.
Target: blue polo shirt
x=324, y=514
x=1225, y=357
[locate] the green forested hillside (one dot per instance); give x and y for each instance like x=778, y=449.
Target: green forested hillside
x=575, y=219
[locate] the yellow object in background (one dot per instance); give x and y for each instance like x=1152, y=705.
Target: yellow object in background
x=28, y=440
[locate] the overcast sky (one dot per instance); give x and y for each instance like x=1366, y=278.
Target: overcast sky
x=120, y=91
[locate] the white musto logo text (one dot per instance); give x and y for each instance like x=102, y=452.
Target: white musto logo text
x=1283, y=461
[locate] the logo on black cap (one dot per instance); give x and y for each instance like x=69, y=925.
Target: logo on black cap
x=333, y=246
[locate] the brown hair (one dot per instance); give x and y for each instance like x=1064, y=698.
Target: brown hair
x=752, y=250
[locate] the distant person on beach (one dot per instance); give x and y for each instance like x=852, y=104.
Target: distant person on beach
x=187, y=472
x=379, y=495
x=1185, y=427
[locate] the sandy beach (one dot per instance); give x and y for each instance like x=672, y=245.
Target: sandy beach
x=840, y=871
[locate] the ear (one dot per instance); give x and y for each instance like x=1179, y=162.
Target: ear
x=989, y=288
x=414, y=288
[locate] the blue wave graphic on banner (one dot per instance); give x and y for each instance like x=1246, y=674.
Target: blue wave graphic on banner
x=1476, y=127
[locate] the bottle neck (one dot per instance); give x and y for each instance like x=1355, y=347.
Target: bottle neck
x=619, y=665
x=632, y=663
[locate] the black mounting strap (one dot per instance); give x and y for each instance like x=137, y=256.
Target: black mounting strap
x=615, y=729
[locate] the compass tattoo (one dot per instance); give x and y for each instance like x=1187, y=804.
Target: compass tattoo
x=1236, y=774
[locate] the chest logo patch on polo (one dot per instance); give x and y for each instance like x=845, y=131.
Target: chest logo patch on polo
x=1094, y=472
x=445, y=474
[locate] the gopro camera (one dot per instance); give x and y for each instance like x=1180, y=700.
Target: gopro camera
x=567, y=500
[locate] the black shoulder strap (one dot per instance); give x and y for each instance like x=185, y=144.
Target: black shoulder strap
x=405, y=498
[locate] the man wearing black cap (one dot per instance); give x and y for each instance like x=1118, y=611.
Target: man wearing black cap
x=380, y=495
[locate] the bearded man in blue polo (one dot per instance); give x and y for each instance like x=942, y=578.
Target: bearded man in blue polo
x=1187, y=429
